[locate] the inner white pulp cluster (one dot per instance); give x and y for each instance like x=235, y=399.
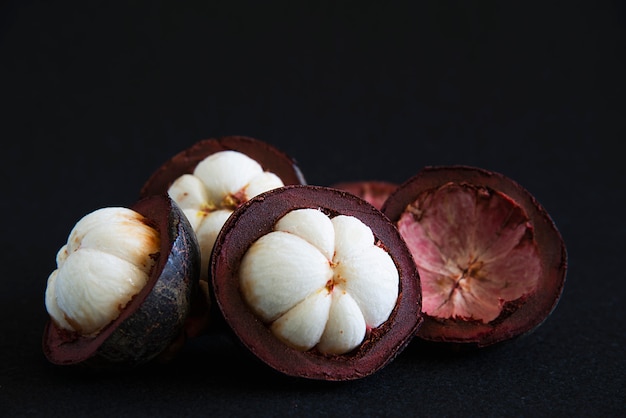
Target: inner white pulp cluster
x=106, y=261
x=218, y=185
x=319, y=281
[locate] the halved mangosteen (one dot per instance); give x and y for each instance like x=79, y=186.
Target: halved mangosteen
x=121, y=293
x=491, y=260
x=316, y=282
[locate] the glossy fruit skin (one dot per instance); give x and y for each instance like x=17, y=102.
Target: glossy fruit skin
x=518, y=318
x=269, y=157
x=152, y=324
x=257, y=218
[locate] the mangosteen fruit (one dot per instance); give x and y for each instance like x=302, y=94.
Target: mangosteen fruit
x=209, y=180
x=491, y=261
x=375, y=192
x=121, y=292
x=316, y=282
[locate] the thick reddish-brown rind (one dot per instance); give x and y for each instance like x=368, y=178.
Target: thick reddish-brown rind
x=257, y=218
x=375, y=192
x=268, y=156
x=155, y=317
x=521, y=317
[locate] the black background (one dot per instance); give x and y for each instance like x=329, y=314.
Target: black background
x=96, y=95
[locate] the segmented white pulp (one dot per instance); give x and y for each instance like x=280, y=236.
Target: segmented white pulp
x=319, y=282
x=105, y=262
x=219, y=184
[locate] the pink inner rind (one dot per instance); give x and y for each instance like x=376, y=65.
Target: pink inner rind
x=523, y=315
x=474, y=250
x=373, y=192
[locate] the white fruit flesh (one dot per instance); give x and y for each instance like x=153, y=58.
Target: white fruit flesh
x=219, y=184
x=319, y=282
x=106, y=261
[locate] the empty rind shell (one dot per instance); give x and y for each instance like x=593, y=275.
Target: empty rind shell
x=491, y=260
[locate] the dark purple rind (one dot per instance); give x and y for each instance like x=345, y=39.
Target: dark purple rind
x=257, y=218
x=523, y=316
x=154, y=319
x=270, y=158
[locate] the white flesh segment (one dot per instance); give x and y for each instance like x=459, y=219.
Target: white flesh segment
x=312, y=225
x=346, y=327
x=371, y=278
x=103, y=216
x=280, y=270
x=351, y=235
x=105, y=262
x=303, y=325
x=93, y=287
x=195, y=217
x=206, y=233
x=51, y=302
x=62, y=255
x=189, y=192
x=138, y=241
x=262, y=183
x=226, y=172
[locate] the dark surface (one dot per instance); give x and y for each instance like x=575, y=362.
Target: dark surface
x=96, y=96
